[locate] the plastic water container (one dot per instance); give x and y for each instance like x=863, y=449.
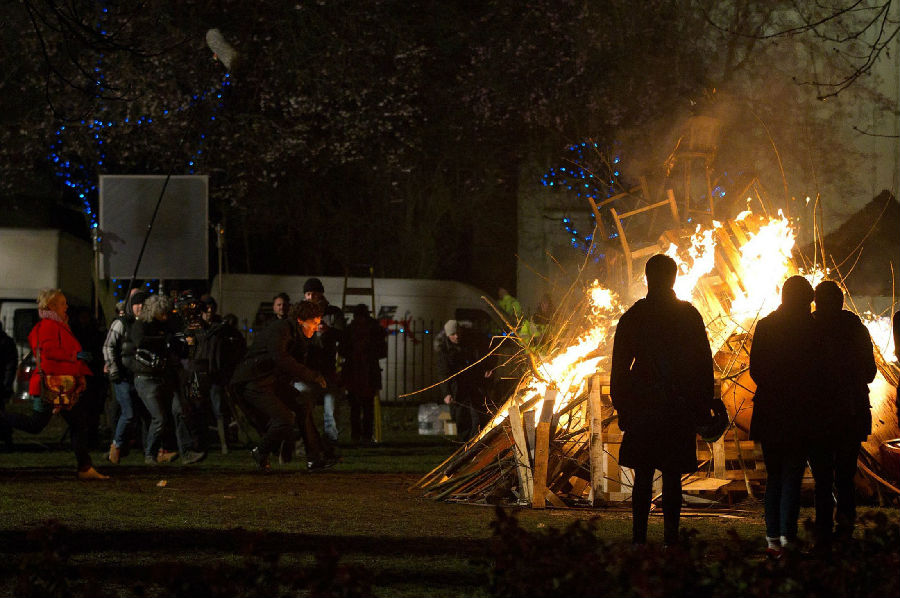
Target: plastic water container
x=432, y=418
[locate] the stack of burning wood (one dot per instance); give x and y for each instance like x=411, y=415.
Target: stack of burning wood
x=555, y=440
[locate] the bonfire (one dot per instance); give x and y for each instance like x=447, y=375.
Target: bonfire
x=555, y=439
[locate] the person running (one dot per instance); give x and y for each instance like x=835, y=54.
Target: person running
x=58, y=380
x=265, y=378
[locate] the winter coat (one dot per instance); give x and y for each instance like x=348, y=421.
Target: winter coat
x=467, y=387
x=363, y=345
x=227, y=347
x=785, y=365
x=661, y=382
x=147, y=353
x=112, y=348
x=273, y=355
x=57, y=348
x=848, y=365
x=322, y=348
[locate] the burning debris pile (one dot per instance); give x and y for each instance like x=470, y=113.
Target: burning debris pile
x=556, y=440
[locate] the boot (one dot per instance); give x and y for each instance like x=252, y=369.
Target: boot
x=164, y=456
x=220, y=429
x=114, y=454
x=91, y=474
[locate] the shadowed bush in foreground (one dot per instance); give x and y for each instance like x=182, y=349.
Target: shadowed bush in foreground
x=258, y=574
x=569, y=562
x=575, y=562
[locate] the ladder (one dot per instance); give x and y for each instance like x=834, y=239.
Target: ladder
x=359, y=291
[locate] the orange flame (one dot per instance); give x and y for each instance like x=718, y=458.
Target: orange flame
x=766, y=264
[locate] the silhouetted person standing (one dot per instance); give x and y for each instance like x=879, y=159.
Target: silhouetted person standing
x=897, y=355
x=784, y=365
x=661, y=382
x=843, y=417
x=363, y=346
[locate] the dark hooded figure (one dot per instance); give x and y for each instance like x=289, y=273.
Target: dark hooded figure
x=843, y=417
x=661, y=382
x=784, y=364
x=364, y=344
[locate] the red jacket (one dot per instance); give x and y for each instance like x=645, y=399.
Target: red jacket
x=58, y=348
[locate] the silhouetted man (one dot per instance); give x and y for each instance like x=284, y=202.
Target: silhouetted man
x=843, y=417
x=661, y=383
x=784, y=365
x=897, y=355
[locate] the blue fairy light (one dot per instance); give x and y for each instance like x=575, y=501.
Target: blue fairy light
x=578, y=178
x=78, y=177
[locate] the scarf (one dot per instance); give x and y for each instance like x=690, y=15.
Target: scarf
x=47, y=314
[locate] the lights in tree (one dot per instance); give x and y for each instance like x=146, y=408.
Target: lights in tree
x=80, y=177
x=594, y=177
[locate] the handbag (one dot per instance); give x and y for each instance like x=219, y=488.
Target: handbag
x=58, y=391
x=712, y=427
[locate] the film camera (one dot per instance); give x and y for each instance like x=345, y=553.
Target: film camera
x=190, y=310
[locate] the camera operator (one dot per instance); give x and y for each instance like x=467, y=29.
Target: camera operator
x=190, y=404
x=225, y=347
x=146, y=354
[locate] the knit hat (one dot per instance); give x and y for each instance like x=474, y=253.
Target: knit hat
x=313, y=285
x=139, y=297
x=451, y=327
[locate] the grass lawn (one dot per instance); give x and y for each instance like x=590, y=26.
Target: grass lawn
x=149, y=519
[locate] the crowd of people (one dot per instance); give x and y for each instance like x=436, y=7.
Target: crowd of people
x=178, y=371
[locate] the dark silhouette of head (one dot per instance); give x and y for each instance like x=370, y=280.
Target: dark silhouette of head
x=660, y=272
x=829, y=297
x=797, y=293
x=360, y=312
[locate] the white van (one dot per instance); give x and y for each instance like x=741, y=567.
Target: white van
x=412, y=311
x=32, y=259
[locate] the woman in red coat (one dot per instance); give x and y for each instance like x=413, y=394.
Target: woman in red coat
x=60, y=360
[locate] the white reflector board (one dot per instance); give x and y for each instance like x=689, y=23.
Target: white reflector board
x=179, y=241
